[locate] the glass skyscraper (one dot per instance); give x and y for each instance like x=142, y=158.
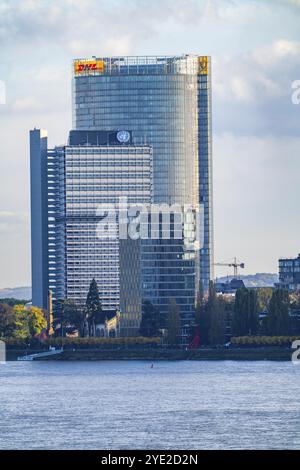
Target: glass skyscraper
x=166, y=103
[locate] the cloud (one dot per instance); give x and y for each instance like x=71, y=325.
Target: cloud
x=89, y=22
x=281, y=50
x=85, y=26
x=25, y=104
x=253, y=90
x=241, y=89
x=259, y=74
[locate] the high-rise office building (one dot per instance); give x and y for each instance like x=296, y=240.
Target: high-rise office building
x=76, y=192
x=39, y=217
x=166, y=102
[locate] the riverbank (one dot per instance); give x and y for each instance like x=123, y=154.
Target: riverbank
x=202, y=354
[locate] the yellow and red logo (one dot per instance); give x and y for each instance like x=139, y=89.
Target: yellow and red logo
x=83, y=67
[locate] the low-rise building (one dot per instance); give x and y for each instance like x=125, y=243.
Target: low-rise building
x=229, y=287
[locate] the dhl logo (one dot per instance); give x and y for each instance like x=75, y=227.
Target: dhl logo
x=86, y=67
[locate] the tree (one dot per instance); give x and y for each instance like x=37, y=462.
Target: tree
x=20, y=322
x=199, y=305
x=245, y=315
x=217, y=322
x=36, y=321
x=253, y=319
x=239, y=321
x=203, y=314
x=7, y=321
x=210, y=307
x=94, y=314
x=21, y=327
x=264, y=295
x=278, y=313
x=28, y=322
x=150, y=320
x=173, y=323
x=73, y=316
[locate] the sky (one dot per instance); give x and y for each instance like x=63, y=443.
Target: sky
x=255, y=49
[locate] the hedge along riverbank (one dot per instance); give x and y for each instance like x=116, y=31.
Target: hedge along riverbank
x=264, y=340
x=82, y=343
x=159, y=354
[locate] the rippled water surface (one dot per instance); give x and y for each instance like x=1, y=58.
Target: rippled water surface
x=129, y=405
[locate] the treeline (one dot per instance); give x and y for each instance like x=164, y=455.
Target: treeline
x=276, y=320
x=263, y=312
x=12, y=301
x=253, y=312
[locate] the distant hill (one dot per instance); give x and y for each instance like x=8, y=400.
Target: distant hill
x=21, y=293
x=254, y=280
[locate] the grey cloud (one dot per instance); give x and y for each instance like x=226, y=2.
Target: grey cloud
x=60, y=20
x=84, y=23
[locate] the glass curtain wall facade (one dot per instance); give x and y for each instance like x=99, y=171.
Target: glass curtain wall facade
x=205, y=170
x=85, y=184
x=162, y=100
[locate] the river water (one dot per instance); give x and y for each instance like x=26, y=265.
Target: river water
x=129, y=405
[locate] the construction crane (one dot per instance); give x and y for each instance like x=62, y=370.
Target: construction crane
x=235, y=265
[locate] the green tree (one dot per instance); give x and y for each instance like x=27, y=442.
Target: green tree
x=36, y=321
x=94, y=314
x=253, y=319
x=245, y=315
x=203, y=314
x=173, y=323
x=73, y=316
x=217, y=322
x=239, y=320
x=199, y=305
x=278, y=313
x=21, y=330
x=150, y=320
x=264, y=295
x=7, y=321
x=28, y=322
